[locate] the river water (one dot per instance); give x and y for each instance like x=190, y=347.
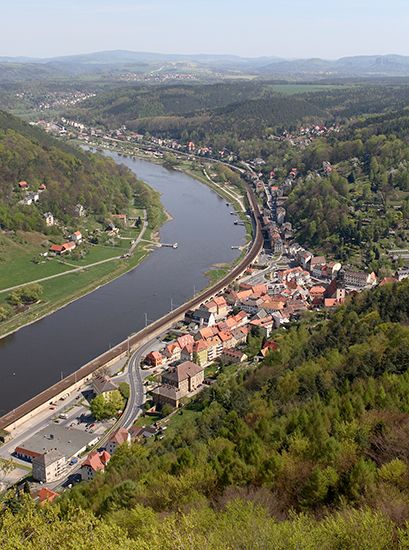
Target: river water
x=36, y=356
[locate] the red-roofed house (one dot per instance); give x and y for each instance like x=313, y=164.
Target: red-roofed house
x=95, y=462
x=155, y=359
x=120, y=437
x=46, y=495
x=268, y=348
x=23, y=185
x=185, y=340
x=68, y=247
x=173, y=351
x=56, y=248
x=76, y=237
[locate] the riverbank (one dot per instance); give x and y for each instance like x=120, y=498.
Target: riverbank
x=190, y=168
x=66, y=280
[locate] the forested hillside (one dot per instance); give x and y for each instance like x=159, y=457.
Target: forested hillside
x=306, y=449
x=123, y=104
x=362, y=206
x=70, y=176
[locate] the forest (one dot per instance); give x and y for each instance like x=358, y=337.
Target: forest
x=308, y=447
x=71, y=177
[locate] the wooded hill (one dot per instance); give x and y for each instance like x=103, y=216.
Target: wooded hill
x=307, y=449
x=241, y=109
x=71, y=176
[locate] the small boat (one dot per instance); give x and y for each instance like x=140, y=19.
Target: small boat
x=175, y=245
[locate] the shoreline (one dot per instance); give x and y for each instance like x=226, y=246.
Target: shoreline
x=147, y=248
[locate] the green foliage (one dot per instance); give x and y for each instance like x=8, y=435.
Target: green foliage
x=124, y=390
x=28, y=294
x=72, y=177
x=106, y=405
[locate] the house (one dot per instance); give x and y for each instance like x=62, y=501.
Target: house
x=222, y=308
x=49, y=219
x=268, y=347
x=240, y=335
x=46, y=495
x=95, y=462
x=167, y=395
x=79, y=211
x=56, y=248
x=173, y=352
x=187, y=353
x=316, y=264
x=227, y=339
x=388, y=281
x=317, y=293
x=204, y=317
x=30, y=198
x=76, y=237
x=215, y=348
x=101, y=383
x=230, y=356
x=185, y=340
x=68, y=247
x=265, y=325
x=23, y=185
x=402, y=274
x=42, y=187
x=155, y=359
x=359, y=279
x=304, y=258
x=186, y=377
x=200, y=352
x=49, y=466
x=120, y=437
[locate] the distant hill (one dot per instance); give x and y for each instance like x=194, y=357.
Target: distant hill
x=109, y=63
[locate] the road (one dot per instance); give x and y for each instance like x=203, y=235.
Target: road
x=136, y=388
x=83, y=267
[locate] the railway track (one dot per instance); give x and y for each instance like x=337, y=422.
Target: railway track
x=143, y=335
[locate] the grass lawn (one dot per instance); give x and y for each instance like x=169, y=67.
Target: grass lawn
x=184, y=418
x=216, y=274
x=17, y=266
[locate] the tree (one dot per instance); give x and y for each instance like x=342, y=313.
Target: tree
x=29, y=294
x=107, y=405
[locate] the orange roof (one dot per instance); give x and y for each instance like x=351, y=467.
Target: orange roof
x=200, y=345
x=317, y=290
x=46, y=495
x=330, y=302
x=23, y=184
x=185, y=340
x=56, y=248
x=97, y=461
x=243, y=294
x=225, y=336
x=220, y=301
x=211, y=305
x=387, y=280
x=155, y=355
x=173, y=346
x=78, y=233
x=207, y=332
x=68, y=246
x=120, y=436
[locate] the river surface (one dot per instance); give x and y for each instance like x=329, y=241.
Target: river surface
x=35, y=357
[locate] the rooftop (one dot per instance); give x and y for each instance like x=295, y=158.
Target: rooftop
x=68, y=441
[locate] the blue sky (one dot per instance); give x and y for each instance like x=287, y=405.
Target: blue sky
x=285, y=28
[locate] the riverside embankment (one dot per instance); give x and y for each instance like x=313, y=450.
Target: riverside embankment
x=38, y=356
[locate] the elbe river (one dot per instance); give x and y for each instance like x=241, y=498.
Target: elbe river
x=35, y=357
